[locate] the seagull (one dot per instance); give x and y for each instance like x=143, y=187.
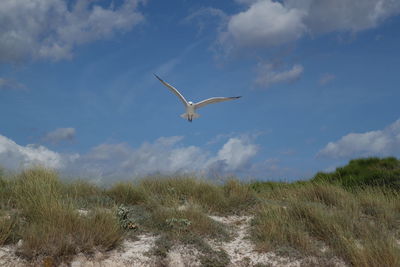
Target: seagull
x=191, y=107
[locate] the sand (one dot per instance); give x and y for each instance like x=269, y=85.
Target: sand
x=240, y=249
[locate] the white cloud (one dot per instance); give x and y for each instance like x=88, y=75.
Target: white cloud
x=14, y=156
x=344, y=15
x=60, y=134
x=264, y=23
x=326, y=78
x=384, y=142
x=52, y=28
x=236, y=153
x=166, y=155
x=267, y=23
x=269, y=74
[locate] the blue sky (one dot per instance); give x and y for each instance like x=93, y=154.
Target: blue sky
x=319, y=80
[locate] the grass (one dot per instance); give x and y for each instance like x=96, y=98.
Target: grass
x=231, y=197
x=6, y=186
x=50, y=224
x=7, y=225
x=177, y=209
x=85, y=194
x=127, y=194
x=363, y=172
x=361, y=228
x=353, y=220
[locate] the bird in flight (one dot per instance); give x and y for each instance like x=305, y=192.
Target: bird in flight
x=191, y=107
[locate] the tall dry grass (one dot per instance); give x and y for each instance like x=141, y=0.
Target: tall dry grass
x=357, y=224
x=231, y=197
x=359, y=228
x=7, y=225
x=52, y=226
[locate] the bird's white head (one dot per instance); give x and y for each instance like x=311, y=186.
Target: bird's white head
x=190, y=103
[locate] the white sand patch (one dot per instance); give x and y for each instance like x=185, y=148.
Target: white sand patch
x=9, y=259
x=131, y=253
x=242, y=251
x=181, y=256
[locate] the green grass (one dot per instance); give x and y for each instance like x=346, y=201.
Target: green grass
x=383, y=172
x=353, y=212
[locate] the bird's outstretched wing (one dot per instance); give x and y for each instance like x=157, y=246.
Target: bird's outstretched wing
x=173, y=90
x=214, y=100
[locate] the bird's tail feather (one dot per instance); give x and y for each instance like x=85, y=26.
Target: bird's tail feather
x=187, y=116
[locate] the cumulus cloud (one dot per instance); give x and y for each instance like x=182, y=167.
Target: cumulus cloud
x=344, y=15
x=267, y=23
x=326, y=78
x=384, y=142
x=50, y=29
x=14, y=156
x=264, y=23
x=236, y=153
x=59, y=135
x=269, y=74
x=166, y=155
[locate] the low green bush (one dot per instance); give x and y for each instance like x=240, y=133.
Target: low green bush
x=363, y=172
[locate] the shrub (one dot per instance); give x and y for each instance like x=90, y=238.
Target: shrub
x=365, y=172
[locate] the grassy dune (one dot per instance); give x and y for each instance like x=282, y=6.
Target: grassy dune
x=325, y=217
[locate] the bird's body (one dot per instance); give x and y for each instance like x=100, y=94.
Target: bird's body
x=191, y=107
x=190, y=113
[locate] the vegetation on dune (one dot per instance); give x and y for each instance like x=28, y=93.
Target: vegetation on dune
x=86, y=195
x=360, y=227
x=365, y=172
x=352, y=213
x=7, y=225
x=177, y=208
x=49, y=224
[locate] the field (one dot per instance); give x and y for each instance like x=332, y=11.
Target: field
x=349, y=217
